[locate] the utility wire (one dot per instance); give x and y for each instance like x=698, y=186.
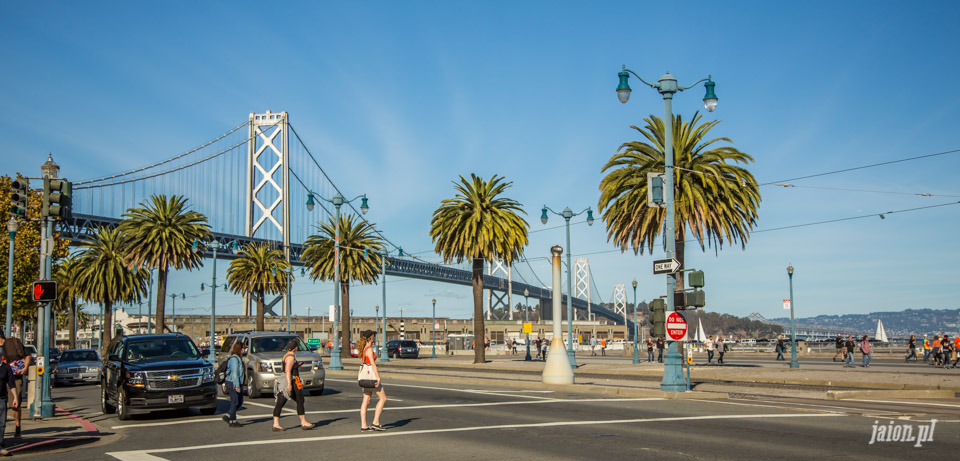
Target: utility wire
x=845, y=170
x=921, y=194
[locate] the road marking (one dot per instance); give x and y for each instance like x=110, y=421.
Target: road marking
x=141, y=455
x=909, y=403
x=807, y=404
x=416, y=407
x=469, y=391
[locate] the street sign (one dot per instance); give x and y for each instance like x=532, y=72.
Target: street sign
x=786, y=304
x=665, y=266
x=316, y=341
x=44, y=291
x=436, y=325
x=676, y=326
x=333, y=312
x=528, y=327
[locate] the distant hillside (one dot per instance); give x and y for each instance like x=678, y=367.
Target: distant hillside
x=903, y=323
x=726, y=325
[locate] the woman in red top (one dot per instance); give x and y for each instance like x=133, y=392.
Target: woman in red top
x=367, y=339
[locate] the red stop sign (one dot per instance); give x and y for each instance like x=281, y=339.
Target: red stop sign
x=676, y=326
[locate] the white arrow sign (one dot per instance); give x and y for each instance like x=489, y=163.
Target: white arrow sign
x=665, y=266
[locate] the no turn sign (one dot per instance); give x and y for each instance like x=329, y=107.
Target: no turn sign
x=676, y=327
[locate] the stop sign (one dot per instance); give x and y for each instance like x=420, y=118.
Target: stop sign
x=676, y=326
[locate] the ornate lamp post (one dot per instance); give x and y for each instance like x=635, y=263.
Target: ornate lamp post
x=667, y=87
x=636, y=330
x=214, y=245
x=173, y=317
x=567, y=213
x=793, y=327
x=526, y=320
x=433, y=339
x=12, y=226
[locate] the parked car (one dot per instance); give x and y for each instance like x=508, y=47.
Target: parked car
x=406, y=348
x=77, y=366
x=145, y=373
x=263, y=360
x=353, y=350
x=54, y=355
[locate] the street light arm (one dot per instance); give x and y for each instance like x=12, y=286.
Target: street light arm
x=706, y=79
x=551, y=210
x=651, y=85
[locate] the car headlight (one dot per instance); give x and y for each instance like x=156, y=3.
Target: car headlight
x=93, y=369
x=137, y=378
x=318, y=365
x=207, y=374
x=56, y=370
x=265, y=367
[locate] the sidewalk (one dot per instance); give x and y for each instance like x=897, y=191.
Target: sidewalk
x=63, y=430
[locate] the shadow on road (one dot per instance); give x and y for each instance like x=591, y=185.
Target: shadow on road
x=401, y=423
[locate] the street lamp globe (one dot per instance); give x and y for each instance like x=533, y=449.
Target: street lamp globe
x=526, y=292
x=50, y=169
x=623, y=89
x=589, y=217
x=363, y=206
x=634, y=283
x=710, y=99
x=12, y=225
x=790, y=269
x=310, y=202
x=543, y=216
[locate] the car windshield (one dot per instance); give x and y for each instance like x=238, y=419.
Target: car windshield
x=408, y=344
x=275, y=344
x=160, y=349
x=79, y=356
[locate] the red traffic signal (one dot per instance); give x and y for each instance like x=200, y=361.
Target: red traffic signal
x=44, y=291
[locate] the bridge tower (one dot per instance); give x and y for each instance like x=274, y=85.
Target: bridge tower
x=501, y=296
x=620, y=301
x=582, y=286
x=268, y=156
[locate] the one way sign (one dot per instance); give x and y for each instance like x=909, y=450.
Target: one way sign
x=665, y=266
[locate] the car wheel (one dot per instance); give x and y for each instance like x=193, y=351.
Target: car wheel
x=320, y=390
x=252, y=390
x=123, y=411
x=104, y=404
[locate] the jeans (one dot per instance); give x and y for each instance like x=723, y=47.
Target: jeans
x=926, y=354
x=709, y=356
x=3, y=416
x=780, y=353
x=649, y=355
x=913, y=354
x=849, y=360
x=236, y=399
x=866, y=359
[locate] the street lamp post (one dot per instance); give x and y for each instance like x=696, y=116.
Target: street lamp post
x=149, y=299
x=12, y=226
x=433, y=337
x=173, y=317
x=793, y=327
x=526, y=320
x=667, y=87
x=384, y=357
x=337, y=201
x=567, y=213
x=215, y=245
x=636, y=352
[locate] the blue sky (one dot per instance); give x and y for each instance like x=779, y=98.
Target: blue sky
x=399, y=98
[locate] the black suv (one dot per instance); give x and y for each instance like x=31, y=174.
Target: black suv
x=146, y=373
x=403, y=348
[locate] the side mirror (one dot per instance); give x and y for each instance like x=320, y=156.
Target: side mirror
x=113, y=358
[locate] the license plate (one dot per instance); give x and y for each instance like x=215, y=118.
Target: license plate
x=175, y=398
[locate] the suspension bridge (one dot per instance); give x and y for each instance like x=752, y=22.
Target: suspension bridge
x=252, y=183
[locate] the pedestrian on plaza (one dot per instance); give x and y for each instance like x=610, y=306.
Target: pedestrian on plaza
x=849, y=345
x=660, y=345
x=649, y=349
x=537, y=344
x=865, y=350
x=780, y=347
x=935, y=350
x=709, y=345
x=603, y=347
x=545, y=347
x=486, y=343
x=290, y=387
x=7, y=386
x=368, y=357
x=926, y=348
x=513, y=345
x=19, y=360
x=593, y=346
x=721, y=348
x=841, y=351
x=236, y=376
x=956, y=351
x=946, y=348
x=447, y=345
x=912, y=348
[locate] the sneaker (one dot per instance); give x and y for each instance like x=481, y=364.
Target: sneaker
x=234, y=424
x=4, y=452
x=226, y=418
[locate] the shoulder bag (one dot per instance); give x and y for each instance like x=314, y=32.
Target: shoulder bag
x=365, y=378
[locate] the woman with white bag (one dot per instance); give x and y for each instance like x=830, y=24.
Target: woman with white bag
x=369, y=381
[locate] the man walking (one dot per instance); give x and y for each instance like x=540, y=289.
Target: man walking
x=603, y=347
x=840, y=349
x=649, y=349
x=926, y=348
x=849, y=345
x=660, y=344
x=780, y=347
x=18, y=359
x=709, y=345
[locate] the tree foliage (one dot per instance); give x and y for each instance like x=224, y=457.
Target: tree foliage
x=259, y=271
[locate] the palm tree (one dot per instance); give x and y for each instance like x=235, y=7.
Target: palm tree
x=715, y=198
x=161, y=233
x=105, y=276
x=479, y=225
x=259, y=271
x=66, y=273
x=360, y=249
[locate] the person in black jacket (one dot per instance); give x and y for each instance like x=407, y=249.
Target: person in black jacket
x=850, y=345
x=840, y=349
x=7, y=382
x=660, y=345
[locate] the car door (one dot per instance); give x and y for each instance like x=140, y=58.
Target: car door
x=111, y=369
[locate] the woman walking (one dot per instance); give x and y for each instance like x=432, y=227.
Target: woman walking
x=290, y=387
x=236, y=376
x=912, y=348
x=367, y=340
x=721, y=348
x=865, y=350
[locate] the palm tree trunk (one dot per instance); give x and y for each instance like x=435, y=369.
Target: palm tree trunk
x=106, y=327
x=161, y=298
x=72, y=323
x=260, y=310
x=345, y=326
x=479, y=352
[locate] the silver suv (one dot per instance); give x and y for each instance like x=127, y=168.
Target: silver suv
x=263, y=360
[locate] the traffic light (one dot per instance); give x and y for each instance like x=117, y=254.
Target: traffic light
x=659, y=318
x=19, y=191
x=44, y=291
x=655, y=190
x=56, y=198
x=695, y=279
x=684, y=299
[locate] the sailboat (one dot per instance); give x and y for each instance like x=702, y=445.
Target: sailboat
x=700, y=335
x=880, y=335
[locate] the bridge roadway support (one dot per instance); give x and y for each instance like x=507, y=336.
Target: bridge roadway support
x=557, y=370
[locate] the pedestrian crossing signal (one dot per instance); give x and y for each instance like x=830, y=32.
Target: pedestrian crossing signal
x=44, y=291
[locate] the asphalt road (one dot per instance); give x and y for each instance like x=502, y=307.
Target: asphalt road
x=446, y=421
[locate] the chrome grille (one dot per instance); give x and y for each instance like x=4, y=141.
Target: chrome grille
x=173, y=379
x=76, y=370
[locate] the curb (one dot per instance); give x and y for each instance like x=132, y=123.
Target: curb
x=888, y=394
x=54, y=443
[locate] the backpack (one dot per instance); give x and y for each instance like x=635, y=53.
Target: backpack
x=221, y=375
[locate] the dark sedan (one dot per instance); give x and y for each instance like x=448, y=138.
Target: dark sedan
x=77, y=366
x=403, y=349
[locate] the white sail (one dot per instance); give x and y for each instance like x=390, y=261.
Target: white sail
x=700, y=336
x=880, y=335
